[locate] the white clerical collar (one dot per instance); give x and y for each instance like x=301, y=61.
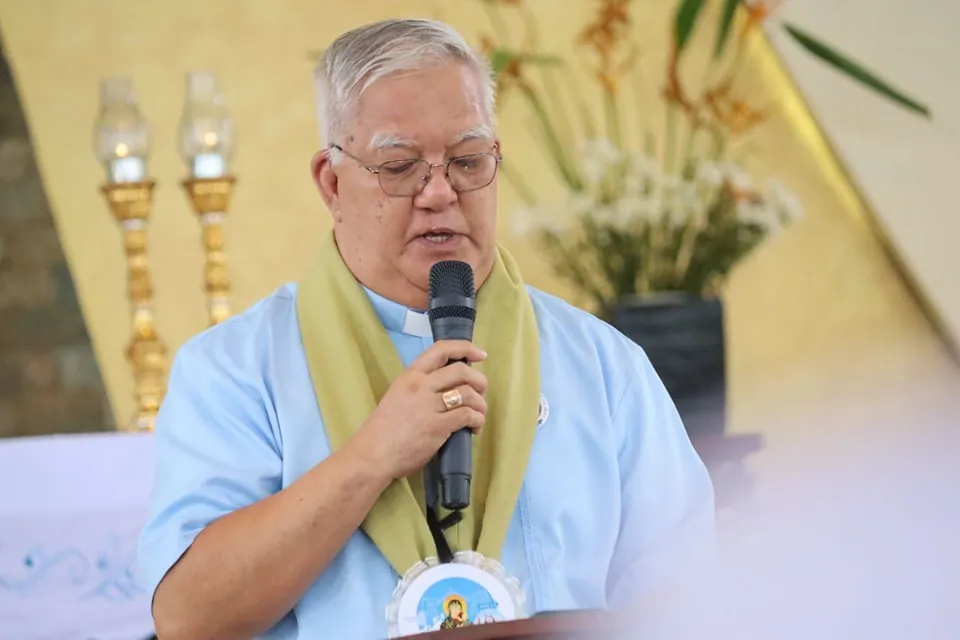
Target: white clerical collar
x=416, y=323
x=396, y=317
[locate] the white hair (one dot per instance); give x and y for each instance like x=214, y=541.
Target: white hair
x=362, y=56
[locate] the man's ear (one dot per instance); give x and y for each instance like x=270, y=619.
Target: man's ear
x=325, y=177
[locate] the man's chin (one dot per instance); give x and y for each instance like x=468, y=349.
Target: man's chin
x=419, y=259
x=425, y=254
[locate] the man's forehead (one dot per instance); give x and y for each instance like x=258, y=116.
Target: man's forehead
x=394, y=140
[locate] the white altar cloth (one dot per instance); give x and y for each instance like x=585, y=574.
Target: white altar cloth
x=71, y=508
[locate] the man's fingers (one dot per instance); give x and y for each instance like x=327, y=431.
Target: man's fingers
x=464, y=417
x=456, y=375
x=469, y=397
x=442, y=352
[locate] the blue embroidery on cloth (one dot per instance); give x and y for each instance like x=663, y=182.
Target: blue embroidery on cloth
x=109, y=575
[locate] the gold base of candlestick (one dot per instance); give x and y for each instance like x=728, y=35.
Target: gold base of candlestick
x=210, y=198
x=130, y=204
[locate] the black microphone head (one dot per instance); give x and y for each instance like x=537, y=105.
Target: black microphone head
x=451, y=278
x=452, y=292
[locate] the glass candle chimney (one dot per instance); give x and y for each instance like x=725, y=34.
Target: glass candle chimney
x=121, y=136
x=206, y=130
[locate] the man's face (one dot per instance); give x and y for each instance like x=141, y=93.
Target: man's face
x=390, y=242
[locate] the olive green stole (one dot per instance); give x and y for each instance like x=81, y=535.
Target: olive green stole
x=352, y=362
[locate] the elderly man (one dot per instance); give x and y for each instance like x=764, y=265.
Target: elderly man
x=291, y=496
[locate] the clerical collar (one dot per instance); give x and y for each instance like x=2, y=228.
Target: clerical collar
x=396, y=317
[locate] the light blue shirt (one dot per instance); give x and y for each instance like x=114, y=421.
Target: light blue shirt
x=615, y=500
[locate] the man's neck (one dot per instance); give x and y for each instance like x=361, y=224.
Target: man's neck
x=396, y=289
x=407, y=296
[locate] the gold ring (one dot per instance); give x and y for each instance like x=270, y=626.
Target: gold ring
x=452, y=399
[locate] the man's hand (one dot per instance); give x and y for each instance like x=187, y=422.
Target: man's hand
x=411, y=422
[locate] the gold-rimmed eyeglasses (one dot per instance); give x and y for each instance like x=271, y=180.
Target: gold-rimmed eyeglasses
x=406, y=178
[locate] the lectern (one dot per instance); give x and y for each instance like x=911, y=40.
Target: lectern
x=551, y=626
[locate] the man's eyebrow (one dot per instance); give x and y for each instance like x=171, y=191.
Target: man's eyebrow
x=383, y=141
x=479, y=132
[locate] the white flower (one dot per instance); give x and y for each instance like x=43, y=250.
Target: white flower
x=523, y=221
x=684, y=203
x=631, y=208
x=670, y=183
x=751, y=211
x=784, y=201
x=773, y=210
x=607, y=214
x=643, y=165
x=597, y=158
x=688, y=196
x=593, y=170
x=738, y=178
x=553, y=223
x=526, y=221
x=669, y=189
x=582, y=204
x=634, y=183
x=650, y=206
x=603, y=151
x=709, y=175
x=640, y=174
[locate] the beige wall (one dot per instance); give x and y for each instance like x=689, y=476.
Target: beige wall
x=905, y=165
x=819, y=323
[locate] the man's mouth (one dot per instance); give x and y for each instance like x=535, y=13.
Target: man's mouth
x=437, y=238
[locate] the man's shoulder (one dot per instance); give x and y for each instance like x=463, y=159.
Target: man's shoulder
x=557, y=317
x=245, y=334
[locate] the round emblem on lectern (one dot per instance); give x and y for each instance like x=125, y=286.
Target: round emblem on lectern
x=469, y=591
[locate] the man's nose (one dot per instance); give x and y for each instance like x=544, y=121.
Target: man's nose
x=437, y=191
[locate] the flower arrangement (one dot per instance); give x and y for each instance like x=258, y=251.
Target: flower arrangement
x=653, y=231
x=678, y=214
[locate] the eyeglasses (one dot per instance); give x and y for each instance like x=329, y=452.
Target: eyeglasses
x=406, y=178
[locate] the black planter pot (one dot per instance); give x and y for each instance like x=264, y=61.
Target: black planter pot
x=683, y=336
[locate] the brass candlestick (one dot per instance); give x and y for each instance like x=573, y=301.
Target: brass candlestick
x=130, y=203
x=210, y=198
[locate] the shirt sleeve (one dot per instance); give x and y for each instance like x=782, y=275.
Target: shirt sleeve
x=667, y=514
x=215, y=452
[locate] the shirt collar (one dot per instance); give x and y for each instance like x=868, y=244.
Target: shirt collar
x=396, y=317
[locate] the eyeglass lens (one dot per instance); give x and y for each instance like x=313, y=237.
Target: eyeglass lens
x=466, y=173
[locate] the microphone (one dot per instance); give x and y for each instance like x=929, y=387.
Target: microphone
x=452, y=312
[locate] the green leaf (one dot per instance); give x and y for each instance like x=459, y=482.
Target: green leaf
x=854, y=69
x=501, y=58
x=542, y=59
x=687, y=15
x=726, y=22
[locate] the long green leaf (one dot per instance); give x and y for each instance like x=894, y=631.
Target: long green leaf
x=686, y=18
x=854, y=70
x=502, y=57
x=543, y=59
x=586, y=117
x=554, y=96
x=726, y=22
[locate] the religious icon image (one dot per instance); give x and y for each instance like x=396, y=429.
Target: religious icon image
x=458, y=601
x=456, y=612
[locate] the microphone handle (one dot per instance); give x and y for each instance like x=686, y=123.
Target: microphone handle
x=456, y=454
x=456, y=467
